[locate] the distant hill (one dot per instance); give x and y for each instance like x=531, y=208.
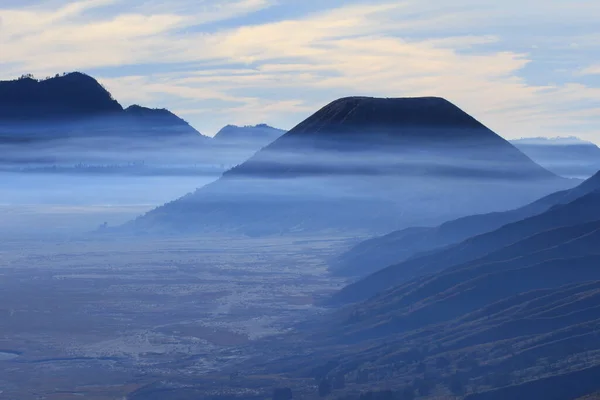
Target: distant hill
x=159, y=121
x=578, y=205
x=568, y=156
x=258, y=135
x=366, y=164
x=239, y=143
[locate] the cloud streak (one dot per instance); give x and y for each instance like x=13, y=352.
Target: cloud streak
x=591, y=70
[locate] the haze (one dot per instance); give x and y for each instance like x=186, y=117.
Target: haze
x=338, y=200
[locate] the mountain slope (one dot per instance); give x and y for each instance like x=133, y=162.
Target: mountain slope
x=518, y=320
x=364, y=164
x=571, y=207
x=76, y=106
x=415, y=136
x=377, y=253
x=72, y=120
x=465, y=288
x=154, y=123
x=369, y=256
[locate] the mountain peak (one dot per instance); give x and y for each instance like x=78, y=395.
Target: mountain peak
x=406, y=118
x=76, y=77
x=77, y=105
x=414, y=161
x=70, y=95
x=142, y=111
x=419, y=100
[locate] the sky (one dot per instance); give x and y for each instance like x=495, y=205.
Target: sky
x=524, y=68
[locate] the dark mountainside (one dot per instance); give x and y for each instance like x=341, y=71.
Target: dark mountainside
x=69, y=96
x=463, y=288
x=417, y=128
x=377, y=253
x=569, y=207
x=568, y=157
x=363, y=164
x=75, y=105
x=72, y=124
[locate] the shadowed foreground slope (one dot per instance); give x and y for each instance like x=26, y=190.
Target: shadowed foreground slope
x=377, y=253
x=519, y=320
x=577, y=205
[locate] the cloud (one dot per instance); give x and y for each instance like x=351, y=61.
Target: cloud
x=591, y=70
x=16, y=23
x=44, y=40
x=278, y=70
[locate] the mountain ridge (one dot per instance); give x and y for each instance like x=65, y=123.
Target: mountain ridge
x=76, y=105
x=571, y=209
x=395, y=247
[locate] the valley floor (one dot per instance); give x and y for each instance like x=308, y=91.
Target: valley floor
x=102, y=317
